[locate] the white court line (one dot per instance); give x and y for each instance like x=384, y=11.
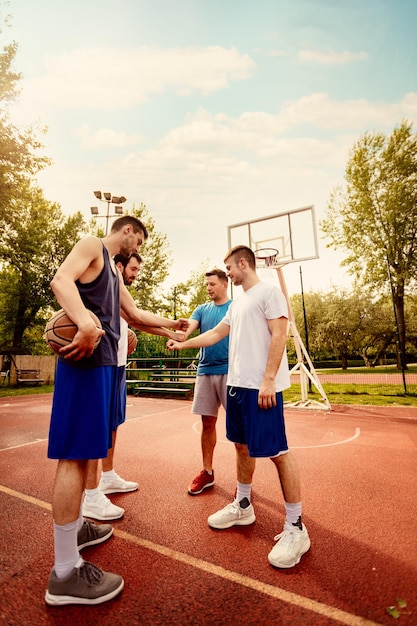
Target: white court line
x=133, y=419
x=196, y=429
x=22, y=445
x=294, y=599
x=141, y=417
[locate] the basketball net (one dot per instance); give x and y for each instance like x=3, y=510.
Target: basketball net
x=268, y=258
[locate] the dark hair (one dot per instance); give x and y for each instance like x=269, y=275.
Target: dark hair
x=124, y=260
x=221, y=275
x=126, y=220
x=243, y=252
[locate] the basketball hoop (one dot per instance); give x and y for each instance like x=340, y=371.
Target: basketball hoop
x=266, y=257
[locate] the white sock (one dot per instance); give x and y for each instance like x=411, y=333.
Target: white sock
x=66, y=548
x=243, y=491
x=108, y=476
x=91, y=493
x=293, y=512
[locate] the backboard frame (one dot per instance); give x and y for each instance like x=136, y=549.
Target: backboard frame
x=284, y=242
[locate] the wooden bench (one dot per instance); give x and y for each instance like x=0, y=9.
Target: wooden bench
x=28, y=377
x=164, y=389
x=173, y=375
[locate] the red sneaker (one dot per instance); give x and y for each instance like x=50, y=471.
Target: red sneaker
x=203, y=481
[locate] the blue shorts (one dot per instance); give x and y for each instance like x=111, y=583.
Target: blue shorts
x=262, y=430
x=83, y=410
x=120, y=413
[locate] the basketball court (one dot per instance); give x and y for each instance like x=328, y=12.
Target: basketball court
x=358, y=468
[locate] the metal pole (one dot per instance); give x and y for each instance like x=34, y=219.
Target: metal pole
x=107, y=216
x=305, y=319
x=397, y=330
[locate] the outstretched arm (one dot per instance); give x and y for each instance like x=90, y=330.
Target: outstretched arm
x=201, y=341
x=138, y=318
x=176, y=335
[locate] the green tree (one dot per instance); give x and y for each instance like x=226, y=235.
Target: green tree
x=156, y=255
x=191, y=293
x=374, y=218
x=35, y=237
x=18, y=159
x=343, y=325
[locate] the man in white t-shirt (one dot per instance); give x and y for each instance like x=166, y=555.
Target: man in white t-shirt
x=256, y=323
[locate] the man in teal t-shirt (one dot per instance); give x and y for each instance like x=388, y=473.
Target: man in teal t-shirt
x=210, y=388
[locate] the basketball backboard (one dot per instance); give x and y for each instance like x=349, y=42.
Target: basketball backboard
x=293, y=234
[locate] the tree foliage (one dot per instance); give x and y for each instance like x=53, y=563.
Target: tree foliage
x=188, y=295
x=374, y=217
x=156, y=255
x=18, y=147
x=35, y=237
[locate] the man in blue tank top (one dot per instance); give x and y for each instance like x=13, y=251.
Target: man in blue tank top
x=84, y=401
x=210, y=388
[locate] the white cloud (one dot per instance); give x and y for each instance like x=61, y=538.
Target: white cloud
x=265, y=135
x=215, y=170
x=331, y=58
x=117, y=78
x=105, y=138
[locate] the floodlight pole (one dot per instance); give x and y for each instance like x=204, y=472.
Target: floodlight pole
x=109, y=199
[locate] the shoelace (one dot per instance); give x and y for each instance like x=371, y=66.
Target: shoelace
x=235, y=508
x=286, y=535
x=101, y=499
x=91, y=573
x=91, y=530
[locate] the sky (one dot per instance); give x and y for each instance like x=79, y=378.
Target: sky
x=212, y=112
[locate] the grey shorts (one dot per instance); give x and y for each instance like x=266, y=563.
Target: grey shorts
x=209, y=393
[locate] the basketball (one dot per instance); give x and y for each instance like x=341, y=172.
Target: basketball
x=60, y=330
x=132, y=341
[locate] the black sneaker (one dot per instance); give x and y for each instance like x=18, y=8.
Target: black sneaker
x=87, y=584
x=90, y=534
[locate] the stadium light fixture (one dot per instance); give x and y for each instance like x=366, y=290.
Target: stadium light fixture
x=109, y=199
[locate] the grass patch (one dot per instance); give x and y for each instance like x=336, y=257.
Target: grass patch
x=349, y=393
x=375, y=395
x=25, y=391
x=376, y=371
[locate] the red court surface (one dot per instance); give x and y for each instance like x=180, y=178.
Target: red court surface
x=358, y=468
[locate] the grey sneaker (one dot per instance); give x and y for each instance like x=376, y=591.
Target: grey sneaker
x=291, y=544
x=232, y=515
x=87, y=584
x=90, y=534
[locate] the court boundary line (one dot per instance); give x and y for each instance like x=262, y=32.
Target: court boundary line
x=288, y=597
x=132, y=419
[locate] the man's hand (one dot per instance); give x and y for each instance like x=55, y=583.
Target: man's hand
x=173, y=345
x=83, y=344
x=267, y=397
x=181, y=324
x=176, y=335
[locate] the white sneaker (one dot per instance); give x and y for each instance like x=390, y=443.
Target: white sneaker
x=117, y=485
x=101, y=508
x=291, y=544
x=232, y=515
